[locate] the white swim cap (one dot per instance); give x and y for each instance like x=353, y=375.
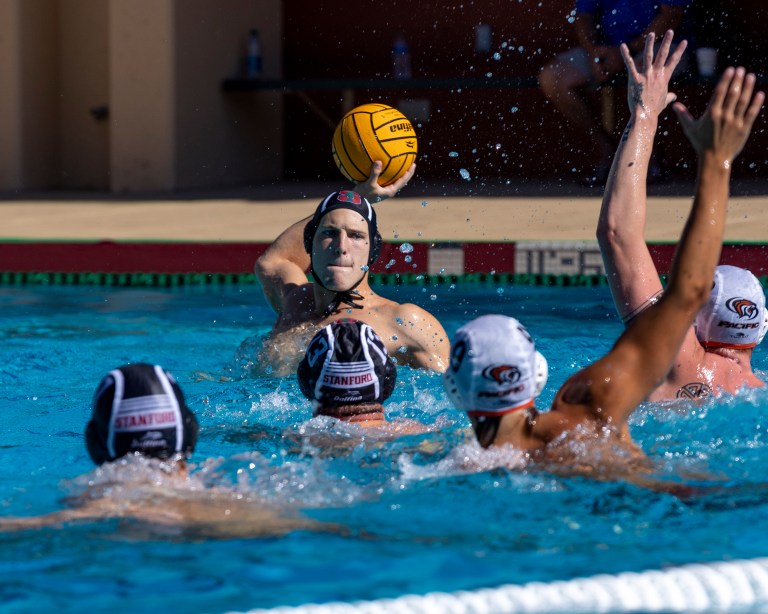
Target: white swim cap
x=494, y=367
x=735, y=316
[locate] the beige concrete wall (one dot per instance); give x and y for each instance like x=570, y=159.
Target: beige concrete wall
x=10, y=80
x=158, y=66
x=40, y=90
x=225, y=138
x=83, y=66
x=141, y=95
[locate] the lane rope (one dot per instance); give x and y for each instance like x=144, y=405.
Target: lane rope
x=713, y=587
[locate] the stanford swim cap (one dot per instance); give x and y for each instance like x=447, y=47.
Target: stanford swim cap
x=140, y=408
x=346, y=363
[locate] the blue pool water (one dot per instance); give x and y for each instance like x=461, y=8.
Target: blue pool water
x=419, y=520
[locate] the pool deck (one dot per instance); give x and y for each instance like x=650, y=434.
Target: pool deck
x=499, y=213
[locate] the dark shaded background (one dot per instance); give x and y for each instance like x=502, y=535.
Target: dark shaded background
x=496, y=133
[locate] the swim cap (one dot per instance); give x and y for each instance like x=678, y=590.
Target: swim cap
x=735, y=316
x=139, y=408
x=345, y=199
x=494, y=367
x=346, y=363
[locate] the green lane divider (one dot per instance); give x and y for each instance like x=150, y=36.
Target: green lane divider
x=172, y=280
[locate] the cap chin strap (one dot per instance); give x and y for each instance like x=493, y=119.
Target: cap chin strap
x=348, y=297
x=479, y=413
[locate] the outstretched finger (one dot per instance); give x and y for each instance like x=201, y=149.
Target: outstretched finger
x=721, y=89
x=663, y=53
x=754, y=109
x=648, y=51
x=629, y=62
x=734, y=91
x=677, y=55
x=746, y=95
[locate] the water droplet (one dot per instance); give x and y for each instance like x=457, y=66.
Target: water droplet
x=497, y=56
x=406, y=248
x=364, y=268
x=423, y=203
x=514, y=109
x=389, y=264
x=433, y=297
x=465, y=174
x=453, y=154
x=499, y=290
x=394, y=337
x=408, y=259
x=402, y=349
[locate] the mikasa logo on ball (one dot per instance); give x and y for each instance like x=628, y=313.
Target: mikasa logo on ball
x=400, y=127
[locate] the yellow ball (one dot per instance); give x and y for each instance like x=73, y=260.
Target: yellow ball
x=373, y=132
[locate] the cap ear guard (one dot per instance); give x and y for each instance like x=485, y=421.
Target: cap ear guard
x=95, y=444
x=304, y=375
x=763, y=327
x=540, y=374
x=389, y=380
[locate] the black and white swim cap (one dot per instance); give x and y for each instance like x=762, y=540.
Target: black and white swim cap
x=346, y=363
x=140, y=408
x=346, y=199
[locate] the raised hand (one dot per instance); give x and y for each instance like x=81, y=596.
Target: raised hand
x=727, y=122
x=374, y=192
x=648, y=88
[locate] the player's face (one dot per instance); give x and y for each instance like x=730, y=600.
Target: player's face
x=340, y=249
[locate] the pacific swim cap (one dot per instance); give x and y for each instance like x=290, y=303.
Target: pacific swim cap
x=735, y=316
x=346, y=363
x=345, y=199
x=139, y=408
x=494, y=367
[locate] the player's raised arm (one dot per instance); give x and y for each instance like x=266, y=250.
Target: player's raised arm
x=614, y=385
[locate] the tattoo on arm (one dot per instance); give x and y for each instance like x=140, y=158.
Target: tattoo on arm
x=636, y=92
x=694, y=390
x=625, y=136
x=642, y=307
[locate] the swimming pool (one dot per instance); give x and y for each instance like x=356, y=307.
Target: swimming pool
x=419, y=520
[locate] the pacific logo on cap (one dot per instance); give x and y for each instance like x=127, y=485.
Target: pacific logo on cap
x=742, y=307
x=503, y=374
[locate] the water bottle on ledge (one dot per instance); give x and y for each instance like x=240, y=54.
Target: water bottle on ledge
x=401, y=59
x=253, y=56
